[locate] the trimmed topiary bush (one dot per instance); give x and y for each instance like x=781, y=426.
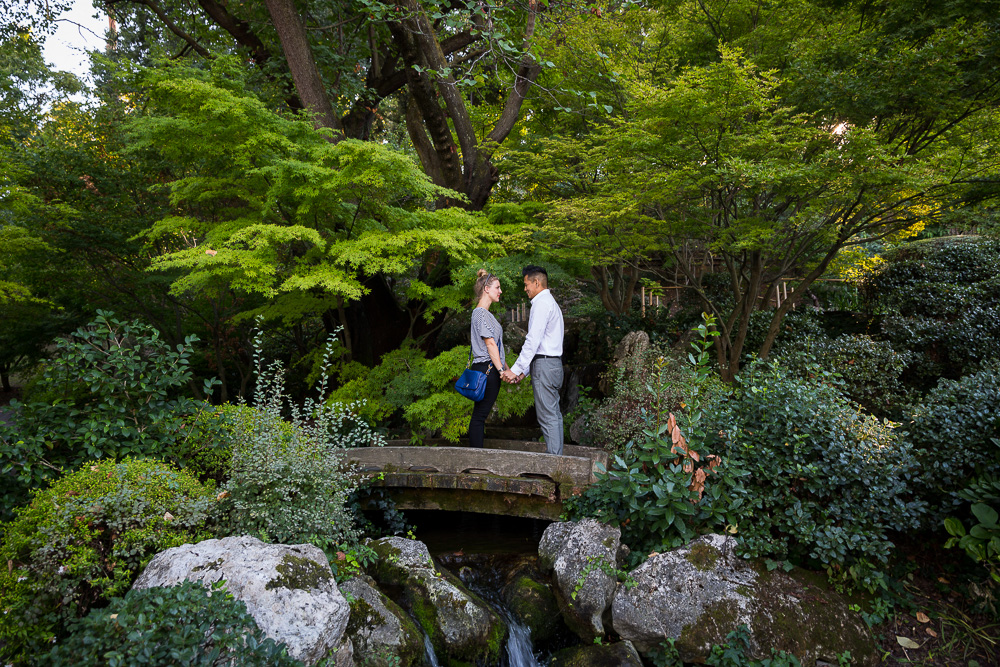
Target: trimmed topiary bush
x=86, y=538
x=185, y=625
x=954, y=431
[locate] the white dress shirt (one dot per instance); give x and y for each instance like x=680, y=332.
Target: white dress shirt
x=545, y=332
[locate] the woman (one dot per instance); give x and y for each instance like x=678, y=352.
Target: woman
x=487, y=351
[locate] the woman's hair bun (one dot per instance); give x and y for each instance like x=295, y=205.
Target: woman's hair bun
x=481, y=273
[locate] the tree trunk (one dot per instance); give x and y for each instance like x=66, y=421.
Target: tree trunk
x=298, y=53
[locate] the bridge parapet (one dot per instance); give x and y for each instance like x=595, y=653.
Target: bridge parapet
x=493, y=481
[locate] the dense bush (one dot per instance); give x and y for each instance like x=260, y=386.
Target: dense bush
x=940, y=299
x=185, y=625
x=868, y=371
x=86, y=538
x=288, y=480
x=420, y=392
x=109, y=391
x=954, y=431
x=826, y=481
x=207, y=451
x=658, y=376
x=982, y=541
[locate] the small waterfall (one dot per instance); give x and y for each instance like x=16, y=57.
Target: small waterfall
x=430, y=657
x=519, y=648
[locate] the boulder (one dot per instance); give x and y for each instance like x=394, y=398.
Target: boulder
x=531, y=600
x=579, y=553
x=288, y=589
x=700, y=593
x=382, y=634
x=621, y=654
x=461, y=626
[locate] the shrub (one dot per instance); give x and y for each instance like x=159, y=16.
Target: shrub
x=953, y=431
x=982, y=542
x=826, y=481
x=868, y=371
x=288, y=480
x=207, y=451
x=186, y=624
x=110, y=393
x=86, y=538
x=658, y=376
x=420, y=392
x=940, y=299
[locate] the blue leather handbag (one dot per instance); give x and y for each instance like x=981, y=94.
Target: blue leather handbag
x=472, y=383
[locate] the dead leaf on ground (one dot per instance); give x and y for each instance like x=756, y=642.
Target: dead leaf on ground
x=906, y=642
x=931, y=632
x=923, y=618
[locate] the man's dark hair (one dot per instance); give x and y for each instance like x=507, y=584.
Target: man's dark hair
x=532, y=271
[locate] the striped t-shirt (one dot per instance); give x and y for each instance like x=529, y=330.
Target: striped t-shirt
x=484, y=325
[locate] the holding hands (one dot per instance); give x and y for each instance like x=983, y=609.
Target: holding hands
x=508, y=376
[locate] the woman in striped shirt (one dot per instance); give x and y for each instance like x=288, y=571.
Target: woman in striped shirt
x=487, y=351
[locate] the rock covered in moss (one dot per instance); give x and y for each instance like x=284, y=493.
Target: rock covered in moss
x=288, y=589
x=460, y=625
x=381, y=632
x=531, y=600
x=700, y=593
x=620, y=654
x=580, y=554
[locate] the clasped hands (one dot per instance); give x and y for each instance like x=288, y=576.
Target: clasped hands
x=508, y=376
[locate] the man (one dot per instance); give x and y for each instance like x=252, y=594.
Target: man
x=541, y=355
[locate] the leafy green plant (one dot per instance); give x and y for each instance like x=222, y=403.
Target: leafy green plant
x=111, y=391
x=288, y=480
x=420, y=392
x=867, y=371
x=826, y=482
x=940, y=299
x=86, y=538
x=982, y=541
x=659, y=488
x=732, y=654
x=954, y=431
x=187, y=624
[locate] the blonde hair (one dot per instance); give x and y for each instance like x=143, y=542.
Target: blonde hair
x=483, y=279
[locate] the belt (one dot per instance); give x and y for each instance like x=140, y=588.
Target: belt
x=547, y=356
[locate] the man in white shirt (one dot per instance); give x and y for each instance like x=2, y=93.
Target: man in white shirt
x=541, y=355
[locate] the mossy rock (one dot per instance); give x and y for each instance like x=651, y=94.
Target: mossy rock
x=382, y=633
x=621, y=654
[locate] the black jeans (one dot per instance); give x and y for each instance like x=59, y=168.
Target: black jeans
x=477, y=425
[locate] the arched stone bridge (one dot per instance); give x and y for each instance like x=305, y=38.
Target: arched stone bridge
x=510, y=477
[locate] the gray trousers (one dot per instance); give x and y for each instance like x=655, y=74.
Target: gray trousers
x=546, y=381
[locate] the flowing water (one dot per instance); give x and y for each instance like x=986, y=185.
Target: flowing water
x=430, y=657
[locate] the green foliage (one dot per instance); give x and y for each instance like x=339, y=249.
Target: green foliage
x=732, y=654
x=868, y=371
x=420, y=391
x=284, y=213
x=954, y=432
x=207, y=450
x=940, y=300
x=982, y=541
x=826, y=482
x=186, y=624
x=86, y=538
x=288, y=480
x=109, y=391
x=659, y=488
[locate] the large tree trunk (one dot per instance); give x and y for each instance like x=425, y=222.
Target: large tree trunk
x=298, y=53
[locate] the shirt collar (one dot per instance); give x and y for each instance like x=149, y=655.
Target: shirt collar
x=544, y=291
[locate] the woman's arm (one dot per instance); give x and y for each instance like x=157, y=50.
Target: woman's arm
x=494, y=351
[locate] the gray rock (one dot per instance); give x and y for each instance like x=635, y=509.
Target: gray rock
x=289, y=590
x=620, y=654
x=381, y=632
x=576, y=551
x=700, y=593
x=460, y=625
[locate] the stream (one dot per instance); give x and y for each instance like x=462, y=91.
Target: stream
x=480, y=549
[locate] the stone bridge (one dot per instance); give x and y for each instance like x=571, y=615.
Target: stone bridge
x=510, y=477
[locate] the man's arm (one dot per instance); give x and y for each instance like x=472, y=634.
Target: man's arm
x=536, y=327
